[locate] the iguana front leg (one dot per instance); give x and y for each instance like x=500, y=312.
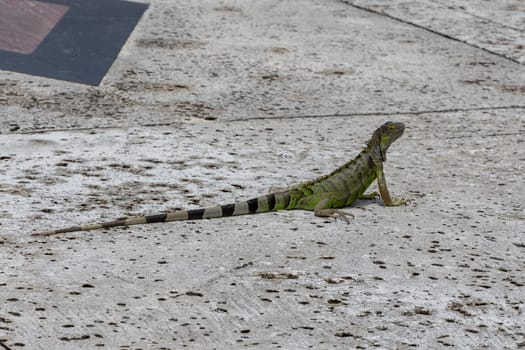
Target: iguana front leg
x=324, y=209
x=383, y=189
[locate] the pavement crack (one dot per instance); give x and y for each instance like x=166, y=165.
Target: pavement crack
x=446, y=36
x=366, y=114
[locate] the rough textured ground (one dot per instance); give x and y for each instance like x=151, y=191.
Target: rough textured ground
x=494, y=26
x=445, y=270
x=179, y=123
x=236, y=60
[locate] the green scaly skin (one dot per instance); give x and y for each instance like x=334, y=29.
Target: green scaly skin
x=324, y=195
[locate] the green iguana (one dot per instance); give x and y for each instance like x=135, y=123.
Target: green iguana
x=324, y=195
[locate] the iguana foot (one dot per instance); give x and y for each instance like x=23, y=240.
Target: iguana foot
x=397, y=201
x=334, y=213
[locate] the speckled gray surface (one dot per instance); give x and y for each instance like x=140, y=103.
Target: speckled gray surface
x=446, y=270
x=236, y=60
x=496, y=26
x=163, y=132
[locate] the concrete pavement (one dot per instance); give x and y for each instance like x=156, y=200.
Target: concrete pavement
x=214, y=101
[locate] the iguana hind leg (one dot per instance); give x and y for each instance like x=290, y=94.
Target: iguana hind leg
x=323, y=209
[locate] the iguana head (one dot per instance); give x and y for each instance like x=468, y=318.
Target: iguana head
x=383, y=138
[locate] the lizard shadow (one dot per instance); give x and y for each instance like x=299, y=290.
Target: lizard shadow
x=367, y=202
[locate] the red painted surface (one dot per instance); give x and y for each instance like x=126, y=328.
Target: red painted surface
x=25, y=23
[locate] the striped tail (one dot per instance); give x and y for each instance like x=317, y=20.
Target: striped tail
x=263, y=204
